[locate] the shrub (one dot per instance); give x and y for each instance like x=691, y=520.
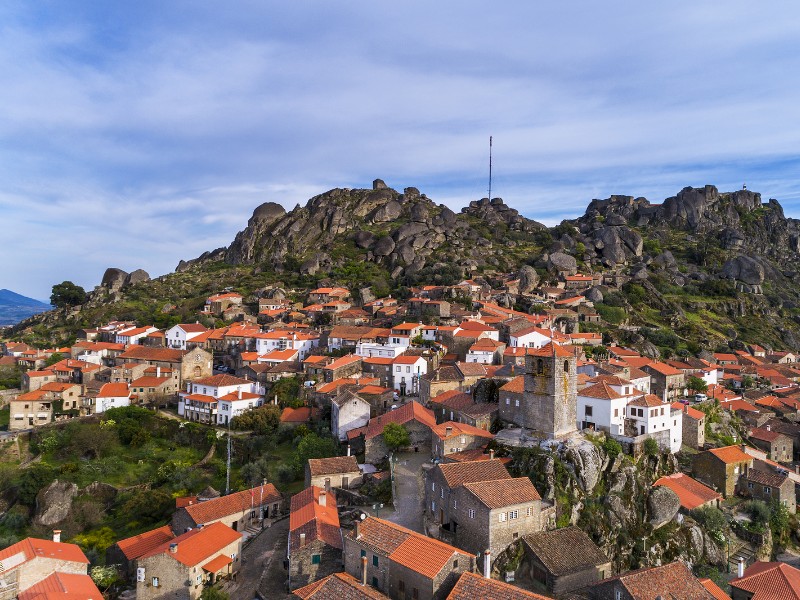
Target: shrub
x=612, y=448
x=651, y=447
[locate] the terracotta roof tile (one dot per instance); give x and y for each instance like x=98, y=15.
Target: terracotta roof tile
x=673, y=580
x=195, y=547
x=34, y=547
x=691, y=492
x=731, y=454
x=339, y=586
x=503, y=492
x=457, y=474
x=136, y=546
x=310, y=517
x=472, y=586
x=63, y=586
x=212, y=510
x=412, y=411
x=335, y=464
x=457, y=429
x=770, y=581
x=714, y=589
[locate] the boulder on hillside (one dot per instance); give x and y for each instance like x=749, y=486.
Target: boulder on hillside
x=662, y=505
x=54, y=502
x=137, y=276
x=588, y=464
x=528, y=279
x=114, y=279
x=745, y=269
x=267, y=212
x=384, y=246
x=562, y=263
x=388, y=212
x=379, y=184
x=364, y=239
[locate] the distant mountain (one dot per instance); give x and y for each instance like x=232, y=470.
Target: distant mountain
x=15, y=307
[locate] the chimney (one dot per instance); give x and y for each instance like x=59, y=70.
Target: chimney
x=323, y=498
x=173, y=548
x=448, y=431
x=768, y=427
x=239, y=393
x=364, y=570
x=491, y=454
x=348, y=449
x=56, y=535
x=158, y=371
x=302, y=539
x=276, y=399
x=744, y=447
x=487, y=564
x=686, y=408
x=740, y=569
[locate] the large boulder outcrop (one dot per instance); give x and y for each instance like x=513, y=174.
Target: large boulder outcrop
x=662, y=505
x=137, y=276
x=54, y=503
x=114, y=279
x=588, y=463
x=745, y=269
x=562, y=263
x=528, y=279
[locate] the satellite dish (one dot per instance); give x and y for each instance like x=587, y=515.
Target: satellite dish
x=363, y=516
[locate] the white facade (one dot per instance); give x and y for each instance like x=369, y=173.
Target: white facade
x=103, y=403
x=282, y=340
x=234, y=404
x=406, y=373
x=373, y=349
x=350, y=414
x=529, y=339
x=653, y=419
x=481, y=356
x=177, y=337
x=133, y=335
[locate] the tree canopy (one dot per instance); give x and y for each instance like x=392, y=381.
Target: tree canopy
x=67, y=293
x=395, y=436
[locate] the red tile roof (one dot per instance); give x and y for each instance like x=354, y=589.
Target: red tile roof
x=457, y=429
x=114, y=390
x=339, y=586
x=691, y=492
x=63, y=586
x=31, y=548
x=136, y=546
x=221, y=380
x=335, y=464
x=196, y=546
x=472, y=586
x=516, y=385
x=217, y=563
x=412, y=411
x=298, y=415
x=457, y=474
x=731, y=454
x=217, y=508
x=503, y=492
x=673, y=580
x=310, y=517
x=714, y=589
x=687, y=410
x=770, y=581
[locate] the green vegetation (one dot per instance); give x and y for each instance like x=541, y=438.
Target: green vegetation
x=395, y=436
x=67, y=293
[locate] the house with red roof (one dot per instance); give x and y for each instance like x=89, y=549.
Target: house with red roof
x=218, y=398
x=177, y=336
x=125, y=552
x=243, y=510
x=673, y=580
x=63, y=586
x=451, y=436
x=32, y=560
x=339, y=586
x=779, y=447
x=406, y=373
x=691, y=492
x=694, y=425
x=486, y=351
x=315, y=539
x=666, y=382
x=417, y=420
x=766, y=581
x=110, y=395
x=721, y=468
x=201, y=557
x=401, y=562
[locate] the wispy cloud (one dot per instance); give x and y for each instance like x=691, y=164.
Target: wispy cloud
x=134, y=135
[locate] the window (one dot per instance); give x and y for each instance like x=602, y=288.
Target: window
x=401, y=586
x=513, y=514
x=749, y=485
x=662, y=411
x=616, y=412
x=441, y=493
x=198, y=579
x=767, y=490
x=433, y=486
x=363, y=553
x=155, y=581
x=433, y=506
x=516, y=402
x=471, y=513
x=455, y=564
x=529, y=511
x=463, y=440
x=415, y=594
x=502, y=517
x=455, y=503
x=316, y=559
x=375, y=583
x=588, y=411
x=566, y=366
x=374, y=560
x=539, y=366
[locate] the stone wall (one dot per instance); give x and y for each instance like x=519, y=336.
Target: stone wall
x=303, y=570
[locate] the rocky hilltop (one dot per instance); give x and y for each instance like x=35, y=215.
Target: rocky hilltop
x=404, y=232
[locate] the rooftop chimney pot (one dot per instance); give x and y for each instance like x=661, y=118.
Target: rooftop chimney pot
x=487, y=564
x=740, y=568
x=323, y=498
x=173, y=548
x=56, y=535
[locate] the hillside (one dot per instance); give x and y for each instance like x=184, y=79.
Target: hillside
x=701, y=270
x=15, y=307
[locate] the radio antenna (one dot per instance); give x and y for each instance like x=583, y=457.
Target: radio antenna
x=490, y=168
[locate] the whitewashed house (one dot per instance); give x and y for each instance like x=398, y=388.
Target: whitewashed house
x=348, y=411
x=178, y=335
x=112, y=395
x=286, y=340
x=406, y=373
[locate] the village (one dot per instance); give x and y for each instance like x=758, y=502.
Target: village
x=433, y=396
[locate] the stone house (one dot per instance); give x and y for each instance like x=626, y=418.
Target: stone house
x=335, y=472
x=403, y=563
x=218, y=303
x=721, y=468
x=492, y=514
x=30, y=409
x=340, y=586
x=152, y=389
x=62, y=585
x=451, y=437
x=125, y=552
x=563, y=560
x=777, y=445
x=315, y=539
x=472, y=586
x=479, y=414
x=668, y=383
x=183, y=364
x=769, y=486
x=447, y=405
x=239, y=510
x=673, y=580
x=417, y=420
x=182, y=567
x=342, y=367
x=380, y=398
x=792, y=430
x=379, y=367
x=691, y=493
x=694, y=425
x=31, y=560
x=443, y=479
x=348, y=411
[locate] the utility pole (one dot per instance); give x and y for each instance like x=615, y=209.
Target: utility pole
x=228, y=464
x=490, y=168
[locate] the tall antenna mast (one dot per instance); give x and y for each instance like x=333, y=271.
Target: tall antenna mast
x=490, y=168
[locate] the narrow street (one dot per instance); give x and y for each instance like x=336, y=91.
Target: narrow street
x=409, y=492
x=259, y=557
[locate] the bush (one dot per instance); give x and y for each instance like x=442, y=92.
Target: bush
x=611, y=314
x=710, y=517
x=758, y=512
x=612, y=448
x=651, y=447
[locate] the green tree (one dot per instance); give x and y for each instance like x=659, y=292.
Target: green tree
x=779, y=521
x=53, y=359
x=149, y=506
x=395, y=436
x=67, y=293
x=313, y=446
x=651, y=447
x=697, y=384
x=748, y=382
x=255, y=472
x=212, y=593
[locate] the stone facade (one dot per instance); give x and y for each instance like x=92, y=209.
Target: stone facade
x=722, y=474
x=312, y=562
x=694, y=431
x=419, y=434
x=548, y=403
x=769, y=486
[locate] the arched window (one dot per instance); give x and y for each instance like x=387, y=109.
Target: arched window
x=566, y=366
x=539, y=367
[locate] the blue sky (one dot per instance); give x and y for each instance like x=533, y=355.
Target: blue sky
x=137, y=134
